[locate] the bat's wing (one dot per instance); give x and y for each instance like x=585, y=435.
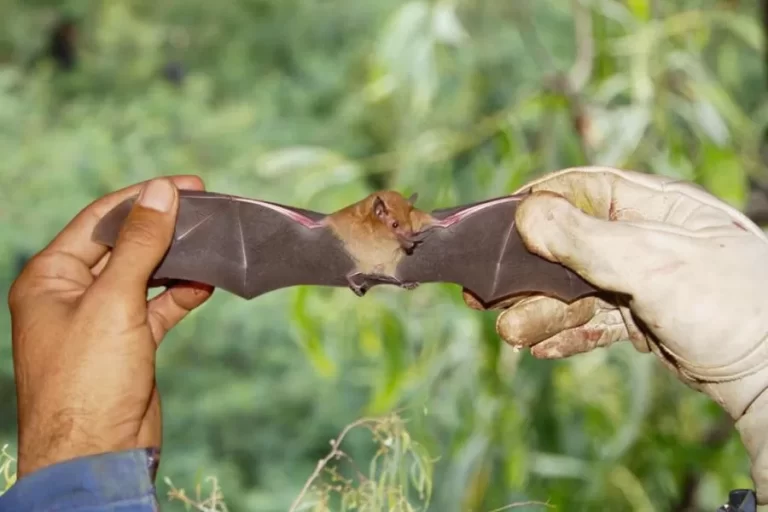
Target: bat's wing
x=244, y=246
x=478, y=247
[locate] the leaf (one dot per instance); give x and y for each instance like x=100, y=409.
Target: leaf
x=722, y=173
x=389, y=383
x=673, y=164
x=622, y=131
x=560, y=466
x=641, y=9
x=446, y=25
x=710, y=121
x=309, y=337
x=724, y=105
x=639, y=381
x=303, y=159
x=747, y=28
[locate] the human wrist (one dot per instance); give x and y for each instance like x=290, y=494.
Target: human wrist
x=62, y=438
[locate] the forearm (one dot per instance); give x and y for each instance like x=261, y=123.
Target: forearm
x=120, y=481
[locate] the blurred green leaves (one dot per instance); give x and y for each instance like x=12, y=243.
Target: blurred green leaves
x=316, y=104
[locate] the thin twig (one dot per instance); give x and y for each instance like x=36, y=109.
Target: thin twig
x=210, y=504
x=322, y=463
x=5, y=467
x=190, y=502
x=355, y=467
x=522, y=504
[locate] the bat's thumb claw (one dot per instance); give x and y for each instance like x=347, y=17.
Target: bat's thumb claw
x=472, y=301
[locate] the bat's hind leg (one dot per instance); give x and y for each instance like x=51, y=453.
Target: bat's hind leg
x=360, y=283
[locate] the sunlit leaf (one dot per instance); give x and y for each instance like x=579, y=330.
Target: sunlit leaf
x=621, y=131
x=710, y=121
x=721, y=172
x=641, y=9
x=445, y=23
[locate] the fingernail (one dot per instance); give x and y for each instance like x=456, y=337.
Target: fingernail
x=158, y=195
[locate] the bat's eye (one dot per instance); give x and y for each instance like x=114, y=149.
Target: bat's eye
x=395, y=224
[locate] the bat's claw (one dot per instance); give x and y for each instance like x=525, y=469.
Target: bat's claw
x=359, y=289
x=358, y=284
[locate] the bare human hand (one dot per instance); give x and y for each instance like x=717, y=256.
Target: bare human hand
x=85, y=336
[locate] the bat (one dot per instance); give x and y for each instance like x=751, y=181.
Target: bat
x=250, y=247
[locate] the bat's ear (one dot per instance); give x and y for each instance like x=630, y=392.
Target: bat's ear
x=379, y=208
x=414, y=197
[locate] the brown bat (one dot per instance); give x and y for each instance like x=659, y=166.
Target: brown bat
x=250, y=247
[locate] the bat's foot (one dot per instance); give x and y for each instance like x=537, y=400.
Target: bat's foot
x=359, y=284
x=359, y=289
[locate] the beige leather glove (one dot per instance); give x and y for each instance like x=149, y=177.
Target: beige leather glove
x=690, y=276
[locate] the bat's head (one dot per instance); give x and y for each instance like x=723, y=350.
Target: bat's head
x=398, y=215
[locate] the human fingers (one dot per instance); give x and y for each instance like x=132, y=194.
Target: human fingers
x=170, y=307
x=143, y=240
x=75, y=238
x=99, y=266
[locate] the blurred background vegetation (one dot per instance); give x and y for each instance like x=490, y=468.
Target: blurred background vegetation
x=316, y=103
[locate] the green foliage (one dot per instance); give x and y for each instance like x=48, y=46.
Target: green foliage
x=398, y=464
x=316, y=104
x=7, y=463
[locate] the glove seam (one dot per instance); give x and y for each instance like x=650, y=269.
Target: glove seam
x=693, y=373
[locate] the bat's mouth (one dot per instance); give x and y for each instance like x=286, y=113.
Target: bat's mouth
x=409, y=243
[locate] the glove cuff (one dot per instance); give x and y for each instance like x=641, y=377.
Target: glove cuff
x=753, y=430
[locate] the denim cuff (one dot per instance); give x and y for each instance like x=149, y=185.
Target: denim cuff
x=116, y=481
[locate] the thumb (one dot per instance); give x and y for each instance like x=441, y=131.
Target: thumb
x=144, y=238
x=616, y=256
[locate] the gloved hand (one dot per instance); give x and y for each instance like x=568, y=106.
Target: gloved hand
x=689, y=276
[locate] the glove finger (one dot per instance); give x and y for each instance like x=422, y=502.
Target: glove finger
x=617, y=194
x=537, y=318
x=620, y=257
x=579, y=340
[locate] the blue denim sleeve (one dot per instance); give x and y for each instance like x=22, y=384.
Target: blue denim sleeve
x=110, y=482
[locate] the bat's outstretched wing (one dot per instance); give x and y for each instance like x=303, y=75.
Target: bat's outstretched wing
x=244, y=246
x=478, y=247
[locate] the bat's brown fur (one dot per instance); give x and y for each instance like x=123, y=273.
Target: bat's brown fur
x=379, y=230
